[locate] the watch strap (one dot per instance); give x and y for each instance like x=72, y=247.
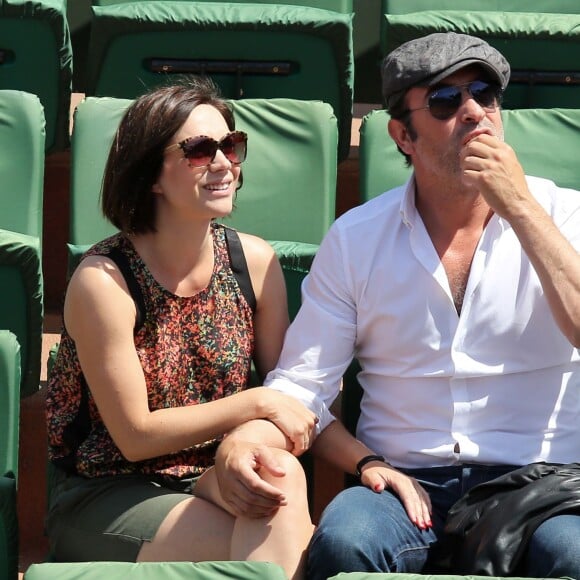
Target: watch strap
x=367, y=459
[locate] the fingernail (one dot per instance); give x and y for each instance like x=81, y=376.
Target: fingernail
x=377, y=487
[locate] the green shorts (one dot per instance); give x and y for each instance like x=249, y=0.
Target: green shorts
x=109, y=518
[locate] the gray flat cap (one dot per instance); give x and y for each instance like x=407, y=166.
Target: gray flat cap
x=427, y=60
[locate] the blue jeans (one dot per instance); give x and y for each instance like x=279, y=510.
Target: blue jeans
x=362, y=531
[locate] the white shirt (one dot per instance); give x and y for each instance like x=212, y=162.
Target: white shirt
x=500, y=380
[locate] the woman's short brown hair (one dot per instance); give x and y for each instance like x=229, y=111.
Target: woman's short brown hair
x=136, y=155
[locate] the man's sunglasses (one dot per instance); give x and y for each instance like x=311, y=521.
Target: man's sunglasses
x=201, y=151
x=444, y=101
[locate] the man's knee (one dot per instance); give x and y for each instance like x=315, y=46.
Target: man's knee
x=364, y=531
x=554, y=548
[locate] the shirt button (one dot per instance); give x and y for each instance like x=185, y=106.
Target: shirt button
x=456, y=448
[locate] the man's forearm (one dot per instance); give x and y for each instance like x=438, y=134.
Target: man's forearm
x=260, y=431
x=557, y=264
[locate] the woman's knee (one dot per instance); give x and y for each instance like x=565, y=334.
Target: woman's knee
x=294, y=475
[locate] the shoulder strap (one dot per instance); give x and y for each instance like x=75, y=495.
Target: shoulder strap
x=240, y=266
x=134, y=289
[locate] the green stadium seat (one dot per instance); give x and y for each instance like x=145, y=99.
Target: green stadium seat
x=9, y=428
x=546, y=141
x=402, y=576
x=250, y=50
x=22, y=140
x=277, y=201
x=543, y=49
x=406, y=6
x=553, y=6
x=155, y=571
x=381, y=166
x=344, y=6
x=21, y=307
x=36, y=57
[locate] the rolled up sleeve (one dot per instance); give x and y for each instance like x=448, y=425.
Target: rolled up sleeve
x=319, y=344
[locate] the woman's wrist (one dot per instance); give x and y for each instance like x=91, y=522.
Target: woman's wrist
x=262, y=402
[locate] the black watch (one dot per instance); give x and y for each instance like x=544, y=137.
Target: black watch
x=367, y=459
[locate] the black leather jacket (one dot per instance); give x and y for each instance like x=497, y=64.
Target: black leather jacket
x=487, y=530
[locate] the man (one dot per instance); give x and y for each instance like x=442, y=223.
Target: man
x=459, y=293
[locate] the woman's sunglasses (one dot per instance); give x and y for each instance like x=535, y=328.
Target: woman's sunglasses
x=444, y=101
x=201, y=151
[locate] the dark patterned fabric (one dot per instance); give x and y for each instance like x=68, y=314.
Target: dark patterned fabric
x=193, y=350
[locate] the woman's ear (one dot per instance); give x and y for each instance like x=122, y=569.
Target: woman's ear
x=156, y=188
x=400, y=135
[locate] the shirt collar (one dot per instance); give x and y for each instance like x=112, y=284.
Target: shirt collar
x=407, y=209
x=409, y=214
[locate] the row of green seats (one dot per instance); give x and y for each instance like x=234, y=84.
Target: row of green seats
x=202, y=571
x=252, y=50
x=292, y=49
x=278, y=201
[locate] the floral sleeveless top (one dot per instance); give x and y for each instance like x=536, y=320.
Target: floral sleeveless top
x=192, y=349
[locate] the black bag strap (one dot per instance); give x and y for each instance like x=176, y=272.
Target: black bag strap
x=240, y=266
x=237, y=262
x=122, y=263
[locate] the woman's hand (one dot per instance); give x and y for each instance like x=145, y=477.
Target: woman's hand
x=290, y=416
x=238, y=468
x=379, y=476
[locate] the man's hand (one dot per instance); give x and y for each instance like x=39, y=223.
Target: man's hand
x=491, y=167
x=378, y=477
x=238, y=466
x=290, y=416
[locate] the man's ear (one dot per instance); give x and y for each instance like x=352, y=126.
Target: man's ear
x=400, y=135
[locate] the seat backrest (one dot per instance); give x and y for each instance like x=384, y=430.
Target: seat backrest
x=22, y=139
x=155, y=570
x=9, y=403
x=344, y=6
x=296, y=259
x=381, y=166
x=250, y=50
x=9, y=427
x=406, y=6
x=553, y=6
x=542, y=49
x=546, y=141
x=21, y=307
x=36, y=57
x=289, y=189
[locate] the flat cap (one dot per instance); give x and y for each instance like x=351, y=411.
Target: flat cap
x=427, y=60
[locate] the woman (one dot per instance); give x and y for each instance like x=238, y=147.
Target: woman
x=154, y=361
